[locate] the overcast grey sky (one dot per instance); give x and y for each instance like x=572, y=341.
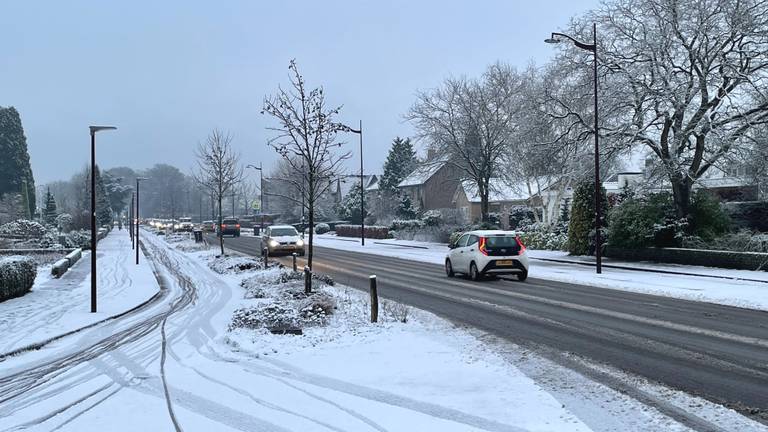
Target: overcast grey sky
x=166, y=73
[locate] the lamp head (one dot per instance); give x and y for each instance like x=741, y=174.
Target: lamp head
x=552, y=40
x=95, y=129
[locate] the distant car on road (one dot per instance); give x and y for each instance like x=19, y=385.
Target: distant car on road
x=209, y=226
x=487, y=253
x=185, y=225
x=229, y=226
x=282, y=239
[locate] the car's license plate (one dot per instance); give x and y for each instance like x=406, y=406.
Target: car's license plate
x=505, y=262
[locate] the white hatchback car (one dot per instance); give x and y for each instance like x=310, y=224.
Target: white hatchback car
x=491, y=252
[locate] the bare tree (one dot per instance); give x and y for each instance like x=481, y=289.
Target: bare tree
x=471, y=121
x=685, y=79
x=218, y=169
x=305, y=136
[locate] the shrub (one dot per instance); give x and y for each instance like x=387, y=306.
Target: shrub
x=403, y=224
x=752, y=215
x=581, y=228
x=545, y=240
x=274, y=315
x=51, y=240
x=322, y=228
x=64, y=222
x=708, y=219
x=78, y=239
x=23, y=228
x=742, y=241
x=223, y=265
x=520, y=216
x=432, y=218
x=371, y=231
x=17, y=275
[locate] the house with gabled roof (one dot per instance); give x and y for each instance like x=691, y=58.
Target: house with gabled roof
x=432, y=184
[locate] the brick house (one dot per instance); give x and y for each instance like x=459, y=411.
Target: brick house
x=431, y=185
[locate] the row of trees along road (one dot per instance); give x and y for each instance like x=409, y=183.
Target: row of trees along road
x=684, y=81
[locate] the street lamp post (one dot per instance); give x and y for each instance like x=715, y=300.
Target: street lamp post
x=362, y=185
x=93, y=130
x=138, y=179
x=130, y=221
x=555, y=38
x=261, y=191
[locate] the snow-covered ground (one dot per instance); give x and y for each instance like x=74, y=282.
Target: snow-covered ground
x=185, y=370
x=58, y=306
x=733, y=292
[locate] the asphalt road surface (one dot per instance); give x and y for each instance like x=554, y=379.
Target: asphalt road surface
x=708, y=350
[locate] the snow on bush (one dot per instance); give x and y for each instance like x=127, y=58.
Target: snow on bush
x=17, y=274
x=23, y=228
x=64, y=222
x=78, y=239
x=51, y=240
x=371, y=231
x=322, y=228
x=233, y=264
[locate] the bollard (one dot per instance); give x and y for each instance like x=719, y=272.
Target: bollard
x=307, y=280
x=294, y=261
x=374, y=299
x=265, y=254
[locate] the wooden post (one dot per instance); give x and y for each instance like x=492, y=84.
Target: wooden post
x=265, y=254
x=307, y=280
x=374, y=299
x=294, y=261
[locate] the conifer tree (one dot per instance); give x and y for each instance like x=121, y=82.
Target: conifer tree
x=49, y=209
x=15, y=170
x=400, y=162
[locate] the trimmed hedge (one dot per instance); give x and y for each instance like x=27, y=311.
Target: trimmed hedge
x=60, y=267
x=372, y=232
x=17, y=274
x=698, y=257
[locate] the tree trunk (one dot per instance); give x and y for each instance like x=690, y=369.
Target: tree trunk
x=681, y=193
x=221, y=234
x=311, y=204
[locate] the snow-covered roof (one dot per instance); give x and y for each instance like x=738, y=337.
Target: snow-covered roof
x=422, y=173
x=499, y=191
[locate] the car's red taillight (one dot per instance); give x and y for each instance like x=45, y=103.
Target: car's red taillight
x=237, y=226
x=522, y=246
x=223, y=226
x=482, y=248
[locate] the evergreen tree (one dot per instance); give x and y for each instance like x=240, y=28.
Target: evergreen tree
x=49, y=209
x=349, y=207
x=406, y=209
x=117, y=191
x=15, y=170
x=581, y=229
x=103, y=208
x=565, y=211
x=400, y=162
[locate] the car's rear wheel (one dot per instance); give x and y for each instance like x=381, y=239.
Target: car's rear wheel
x=449, y=269
x=522, y=276
x=474, y=274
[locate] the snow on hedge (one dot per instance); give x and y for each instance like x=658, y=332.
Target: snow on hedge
x=23, y=227
x=17, y=274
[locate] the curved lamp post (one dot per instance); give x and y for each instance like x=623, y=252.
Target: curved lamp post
x=93, y=130
x=362, y=183
x=557, y=38
x=138, y=179
x=260, y=169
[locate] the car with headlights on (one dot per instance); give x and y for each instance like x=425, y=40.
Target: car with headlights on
x=282, y=239
x=487, y=253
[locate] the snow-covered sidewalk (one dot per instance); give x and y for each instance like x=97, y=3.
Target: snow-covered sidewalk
x=735, y=291
x=58, y=306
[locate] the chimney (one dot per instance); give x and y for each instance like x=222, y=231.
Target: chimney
x=431, y=153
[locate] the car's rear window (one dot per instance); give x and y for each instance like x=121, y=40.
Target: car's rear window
x=230, y=221
x=277, y=232
x=501, y=242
